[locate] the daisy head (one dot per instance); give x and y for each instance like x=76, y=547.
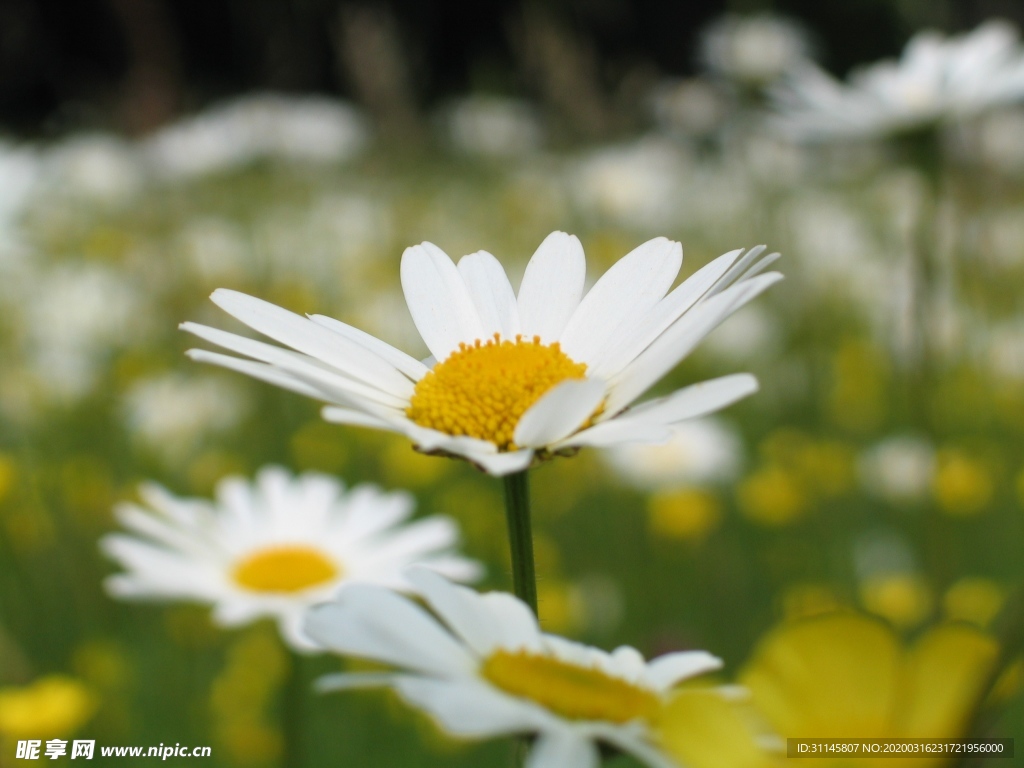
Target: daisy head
x=479, y=664
x=936, y=79
x=274, y=547
x=512, y=377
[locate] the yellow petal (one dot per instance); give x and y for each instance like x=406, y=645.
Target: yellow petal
x=829, y=677
x=943, y=674
x=700, y=728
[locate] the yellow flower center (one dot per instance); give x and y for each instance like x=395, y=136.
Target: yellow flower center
x=483, y=390
x=285, y=569
x=572, y=691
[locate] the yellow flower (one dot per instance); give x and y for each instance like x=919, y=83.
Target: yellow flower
x=973, y=599
x=837, y=676
x=905, y=599
x=51, y=706
x=773, y=496
x=689, y=514
x=962, y=485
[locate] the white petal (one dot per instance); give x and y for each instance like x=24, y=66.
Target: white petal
x=616, y=431
x=408, y=543
x=314, y=340
x=438, y=300
x=559, y=413
x=469, y=708
x=739, y=270
x=346, y=681
x=492, y=294
x=622, y=297
x=693, y=401
x=501, y=464
x=514, y=622
x=376, y=623
x=630, y=342
x=552, y=287
x=460, y=608
x=632, y=743
x=680, y=339
x=665, y=671
x=301, y=366
x=407, y=364
x=336, y=415
x=260, y=371
x=563, y=748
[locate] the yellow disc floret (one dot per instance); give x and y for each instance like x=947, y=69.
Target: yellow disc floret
x=483, y=390
x=573, y=691
x=285, y=569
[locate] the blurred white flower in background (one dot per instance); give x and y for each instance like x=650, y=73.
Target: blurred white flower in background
x=94, y=168
x=900, y=468
x=275, y=546
x=491, y=126
x=753, y=50
x=20, y=169
x=753, y=332
x=996, y=141
x=76, y=316
x=688, y=107
x=171, y=413
x=1004, y=349
x=637, y=184
x=937, y=78
x=699, y=451
x=215, y=248
x=262, y=126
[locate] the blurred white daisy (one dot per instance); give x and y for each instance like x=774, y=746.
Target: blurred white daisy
x=900, y=468
x=936, y=79
x=274, y=547
x=232, y=135
x=700, y=451
x=482, y=668
x=545, y=372
x=754, y=50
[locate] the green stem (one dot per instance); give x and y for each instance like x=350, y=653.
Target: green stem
x=293, y=697
x=1010, y=630
x=520, y=537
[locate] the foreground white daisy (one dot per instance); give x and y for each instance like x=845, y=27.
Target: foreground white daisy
x=511, y=377
x=482, y=668
x=274, y=547
x=937, y=78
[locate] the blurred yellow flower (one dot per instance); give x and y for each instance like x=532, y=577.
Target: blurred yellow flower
x=802, y=601
x=963, y=485
x=973, y=599
x=51, y=706
x=7, y=473
x=689, y=514
x=838, y=676
x=559, y=606
x=857, y=400
x=772, y=496
x=904, y=599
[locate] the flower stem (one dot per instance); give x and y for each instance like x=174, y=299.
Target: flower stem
x=520, y=537
x=293, y=698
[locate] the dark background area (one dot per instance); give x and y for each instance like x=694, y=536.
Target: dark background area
x=131, y=65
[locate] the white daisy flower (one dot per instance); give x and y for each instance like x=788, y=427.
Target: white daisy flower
x=937, y=78
x=274, y=547
x=544, y=372
x=482, y=668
